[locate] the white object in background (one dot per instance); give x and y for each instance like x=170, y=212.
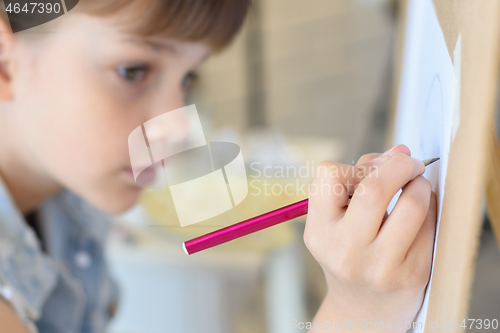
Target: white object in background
x=284, y=280
x=163, y=290
x=425, y=107
x=160, y=293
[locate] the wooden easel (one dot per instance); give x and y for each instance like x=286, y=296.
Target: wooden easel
x=474, y=162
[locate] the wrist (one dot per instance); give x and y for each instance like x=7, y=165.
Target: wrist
x=340, y=314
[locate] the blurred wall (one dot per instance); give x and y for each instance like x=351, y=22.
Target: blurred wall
x=316, y=68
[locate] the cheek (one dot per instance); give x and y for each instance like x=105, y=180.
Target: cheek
x=74, y=128
x=75, y=135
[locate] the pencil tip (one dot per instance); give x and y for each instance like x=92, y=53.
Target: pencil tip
x=430, y=161
x=184, y=247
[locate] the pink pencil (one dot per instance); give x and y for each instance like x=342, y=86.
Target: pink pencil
x=254, y=224
x=246, y=227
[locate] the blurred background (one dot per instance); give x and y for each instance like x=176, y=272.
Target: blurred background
x=303, y=82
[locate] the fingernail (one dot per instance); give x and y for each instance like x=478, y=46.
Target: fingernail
x=389, y=152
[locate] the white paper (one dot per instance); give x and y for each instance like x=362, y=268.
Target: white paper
x=425, y=107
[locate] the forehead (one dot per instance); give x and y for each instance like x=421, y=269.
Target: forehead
x=214, y=22
x=109, y=31
x=165, y=45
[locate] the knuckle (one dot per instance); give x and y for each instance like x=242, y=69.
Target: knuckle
x=310, y=239
x=307, y=238
x=402, y=161
x=344, y=268
x=416, y=206
x=424, y=185
x=325, y=169
x=372, y=190
x=317, y=240
x=381, y=280
x=327, y=180
x=417, y=202
x=416, y=277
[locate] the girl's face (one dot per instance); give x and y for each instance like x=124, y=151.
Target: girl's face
x=80, y=90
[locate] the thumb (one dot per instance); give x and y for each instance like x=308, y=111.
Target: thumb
x=370, y=161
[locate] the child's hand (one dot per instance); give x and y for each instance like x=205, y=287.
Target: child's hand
x=376, y=266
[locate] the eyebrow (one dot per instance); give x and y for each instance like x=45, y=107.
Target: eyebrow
x=154, y=45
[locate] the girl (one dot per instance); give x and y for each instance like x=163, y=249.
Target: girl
x=72, y=90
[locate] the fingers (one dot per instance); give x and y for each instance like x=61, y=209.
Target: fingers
x=396, y=149
x=416, y=267
x=372, y=196
x=423, y=244
x=367, y=157
x=332, y=185
x=405, y=221
x=400, y=149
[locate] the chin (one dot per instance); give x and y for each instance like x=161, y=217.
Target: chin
x=117, y=203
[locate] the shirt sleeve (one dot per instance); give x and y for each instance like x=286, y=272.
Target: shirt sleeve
x=15, y=301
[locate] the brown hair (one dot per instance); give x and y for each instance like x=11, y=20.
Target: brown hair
x=215, y=22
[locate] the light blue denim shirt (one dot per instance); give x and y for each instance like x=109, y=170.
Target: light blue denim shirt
x=67, y=289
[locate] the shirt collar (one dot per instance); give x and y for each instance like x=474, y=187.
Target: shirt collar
x=23, y=266
x=90, y=221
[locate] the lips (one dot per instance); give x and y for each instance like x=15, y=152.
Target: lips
x=145, y=177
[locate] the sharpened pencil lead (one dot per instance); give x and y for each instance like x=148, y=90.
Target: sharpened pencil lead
x=430, y=161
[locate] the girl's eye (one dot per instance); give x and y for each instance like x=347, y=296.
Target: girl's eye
x=133, y=74
x=188, y=80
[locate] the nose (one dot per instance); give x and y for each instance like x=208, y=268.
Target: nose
x=170, y=125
